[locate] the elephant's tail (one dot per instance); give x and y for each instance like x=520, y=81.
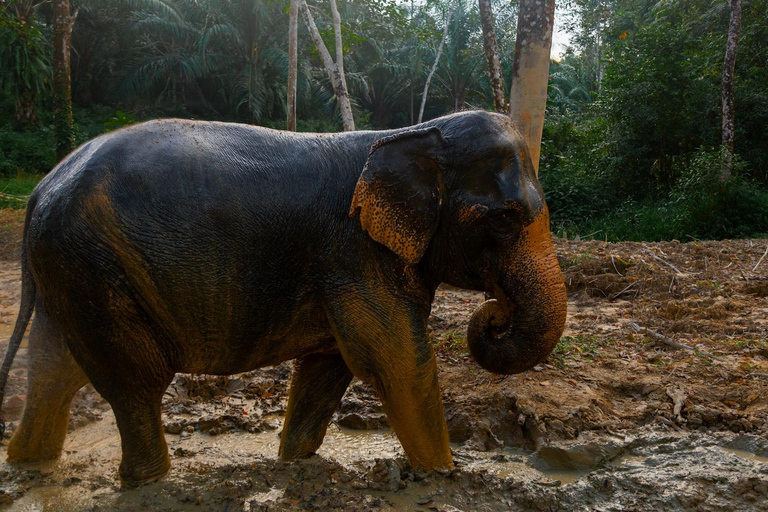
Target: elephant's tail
x=28, y=292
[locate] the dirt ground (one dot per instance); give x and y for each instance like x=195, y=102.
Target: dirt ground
x=618, y=418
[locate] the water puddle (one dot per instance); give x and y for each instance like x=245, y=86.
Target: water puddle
x=745, y=454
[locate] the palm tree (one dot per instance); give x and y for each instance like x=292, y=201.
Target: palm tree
x=24, y=57
x=464, y=54
x=568, y=84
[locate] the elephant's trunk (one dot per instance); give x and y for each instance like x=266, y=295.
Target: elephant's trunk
x=521, y=325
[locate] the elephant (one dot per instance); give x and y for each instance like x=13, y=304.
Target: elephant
x=218, y=248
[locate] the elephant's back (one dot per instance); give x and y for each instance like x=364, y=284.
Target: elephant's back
x=176, y=170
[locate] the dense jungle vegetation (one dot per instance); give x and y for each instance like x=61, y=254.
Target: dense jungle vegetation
x=632, y=142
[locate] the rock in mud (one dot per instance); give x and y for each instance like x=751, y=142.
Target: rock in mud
x=385, y=475
x=359, y=415
x=361, y=409
x=584, y=453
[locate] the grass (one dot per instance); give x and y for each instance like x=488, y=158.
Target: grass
x=580, y=347
x=14, y=191
x=451, y=343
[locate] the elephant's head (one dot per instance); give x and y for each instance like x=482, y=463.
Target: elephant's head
x=459, y=198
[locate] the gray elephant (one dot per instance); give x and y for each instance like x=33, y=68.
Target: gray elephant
x=181, y=246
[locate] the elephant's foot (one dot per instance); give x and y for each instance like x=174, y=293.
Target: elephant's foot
x=145, y=452
x=318, y=384
x=135, y=473
x=40, y=436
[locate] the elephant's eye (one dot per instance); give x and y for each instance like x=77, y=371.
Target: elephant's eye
x=504, y=221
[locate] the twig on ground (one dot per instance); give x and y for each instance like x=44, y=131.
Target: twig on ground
x=760, y=260
x=673, y=343
x=617, y=294
x=667, y=264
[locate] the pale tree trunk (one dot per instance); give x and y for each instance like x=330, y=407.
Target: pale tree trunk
x=293, y=63
x=530, y=73
x=729, y=67
x=492, y=55
x=437, y=59
x=335, y=70
x=63, y=127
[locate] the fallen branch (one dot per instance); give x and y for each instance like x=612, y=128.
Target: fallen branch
x=667, y=264
x=673, y=343
x=22, y=199
x=760, y=260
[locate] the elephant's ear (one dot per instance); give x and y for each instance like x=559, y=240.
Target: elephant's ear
x=399, y=193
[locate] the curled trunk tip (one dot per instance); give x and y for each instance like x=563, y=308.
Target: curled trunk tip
x=506, y=341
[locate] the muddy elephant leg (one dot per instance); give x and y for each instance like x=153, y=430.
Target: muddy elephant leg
x=131, y=374
x=383, y=340
x=53, y=379
x=317, y=387
x=145, y=452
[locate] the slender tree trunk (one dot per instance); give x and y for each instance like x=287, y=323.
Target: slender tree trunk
x=335, y=70
x=492, y=55
x=729, y=66
x=63, y=127
x=437, y=59
x=530, y=73
x=345, y=106
x=411, y=109
x=293, y=63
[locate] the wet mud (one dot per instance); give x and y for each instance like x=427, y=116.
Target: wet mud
x=616, y=419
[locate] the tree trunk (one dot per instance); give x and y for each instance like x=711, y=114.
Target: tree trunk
x=492, y=55
x=437, y=59
x=530, y=73
x=63, y=127
x=729, y=66
x=335, y=70
x=293, y=63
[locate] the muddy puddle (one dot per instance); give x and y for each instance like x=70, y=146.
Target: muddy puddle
x=366, y=470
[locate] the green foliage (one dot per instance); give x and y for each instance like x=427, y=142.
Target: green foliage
x=26, y=150
x=736, y=209
x=698, y=206
x=642, y=162
x=119, y=120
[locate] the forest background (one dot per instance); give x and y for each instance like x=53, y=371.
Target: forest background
x=632, y=141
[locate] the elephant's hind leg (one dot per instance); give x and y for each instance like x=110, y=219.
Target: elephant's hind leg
x=145, y=452
x=53, y=379
x=318, y=385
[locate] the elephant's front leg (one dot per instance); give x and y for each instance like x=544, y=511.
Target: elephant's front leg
x=383, y=339
x=318, y=385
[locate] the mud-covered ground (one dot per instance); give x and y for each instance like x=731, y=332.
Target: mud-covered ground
x=617, y=418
